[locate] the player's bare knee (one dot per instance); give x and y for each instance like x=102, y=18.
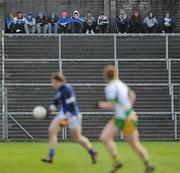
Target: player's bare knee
x=103, y=138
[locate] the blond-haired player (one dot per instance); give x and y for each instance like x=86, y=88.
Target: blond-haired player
x=121, y=98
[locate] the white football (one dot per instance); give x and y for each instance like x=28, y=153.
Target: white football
x=39, y=112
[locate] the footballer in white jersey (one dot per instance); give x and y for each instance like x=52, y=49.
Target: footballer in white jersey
x=121, y=99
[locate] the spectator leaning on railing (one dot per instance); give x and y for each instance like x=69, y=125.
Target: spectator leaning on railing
x=77, y=22
x=41, y=23
x=167, y=23
x=19, y=22
x=30, y=24
x=90, y=23
x=103, y=23
x=150, y=23
x=52, y=23
x=64, y=22
x=122, y=23
x=136, y=23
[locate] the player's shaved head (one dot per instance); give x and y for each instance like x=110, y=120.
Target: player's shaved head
x=110, y=73
x=59, y=77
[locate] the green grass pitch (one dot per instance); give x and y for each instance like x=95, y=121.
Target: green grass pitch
x=71, y=158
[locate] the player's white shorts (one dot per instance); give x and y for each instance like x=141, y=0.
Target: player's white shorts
x=73, y=122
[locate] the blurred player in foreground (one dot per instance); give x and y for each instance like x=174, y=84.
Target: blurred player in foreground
x=121, y=99
x=69, y=115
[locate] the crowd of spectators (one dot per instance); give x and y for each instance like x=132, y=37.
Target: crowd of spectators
x=88, y=24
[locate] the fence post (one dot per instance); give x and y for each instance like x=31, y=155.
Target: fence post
x=4, y=114
x=64, y=131
x=167, y=51
x=115, y=52
x=172, y=101
x=175, y=127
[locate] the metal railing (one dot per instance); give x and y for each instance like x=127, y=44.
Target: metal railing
x=60, y=60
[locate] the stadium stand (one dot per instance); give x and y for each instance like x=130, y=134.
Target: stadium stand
x=28, y=68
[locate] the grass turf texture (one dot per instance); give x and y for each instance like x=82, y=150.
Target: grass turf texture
x=71, y=158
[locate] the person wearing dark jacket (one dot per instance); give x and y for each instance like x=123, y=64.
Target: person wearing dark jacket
x=90, y=23
x=19, y=22
x=150, y=23
x=41, y=23
x=63, y=22
x=167, y=23
x=103, y=23
x=122, y=22
x=52, y=23
x=136, y=23
x=9, y=24
x=77, y=22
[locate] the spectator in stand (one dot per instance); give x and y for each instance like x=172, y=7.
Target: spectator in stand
x=103, y=23
x=136, y=23
x=90, y=23
x=30, y=24
x=150, y=23
x=41, y=23
x=52, y=23
x=122, y=22
x=19, y=22
x=77, y=22
x=167, y=23
x=63, y=22
x=9, y=23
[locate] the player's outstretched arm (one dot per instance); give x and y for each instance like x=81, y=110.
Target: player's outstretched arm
x=105, y=105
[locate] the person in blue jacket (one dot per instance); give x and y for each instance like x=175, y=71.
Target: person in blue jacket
x=63, y=22
x=77, y=22
x=122, y=22
x=168, y=23
x=9, y=23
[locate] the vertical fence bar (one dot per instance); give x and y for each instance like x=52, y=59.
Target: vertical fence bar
x=115, y=52
x=167, y=51
x=4, y=125
x=172, y=101
x=64, y=131
x=169, y=76
x=175, y=127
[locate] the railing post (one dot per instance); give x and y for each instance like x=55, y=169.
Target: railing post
x=167, y=51
x=64, y=130
x=4, y=116
x=175, y=127
x=172, y=101
x=115, y=52
x=169, y=76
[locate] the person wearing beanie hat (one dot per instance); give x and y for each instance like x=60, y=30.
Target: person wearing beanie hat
x=103, y=23
x=30, y=24
x=52, y=23
x=76, y=23
x=63, y=22
x=41, y=23
x=150, y=23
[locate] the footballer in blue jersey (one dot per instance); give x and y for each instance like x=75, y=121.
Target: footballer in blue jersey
x=69, y=115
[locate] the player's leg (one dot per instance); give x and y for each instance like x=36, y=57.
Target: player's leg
x=53, y=131
x=75, y=130
x=141, y=151
x=132, y=136
x=107, y=138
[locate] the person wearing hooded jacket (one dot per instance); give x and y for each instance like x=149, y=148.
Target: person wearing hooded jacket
x=77, y=22
x=167, y=23
x=150, y=23
x=122, y=22
x=41, y=23
x=19, y=22
x=63, y=22
x=30, y=24
x=52, y=23
x=103, y=23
